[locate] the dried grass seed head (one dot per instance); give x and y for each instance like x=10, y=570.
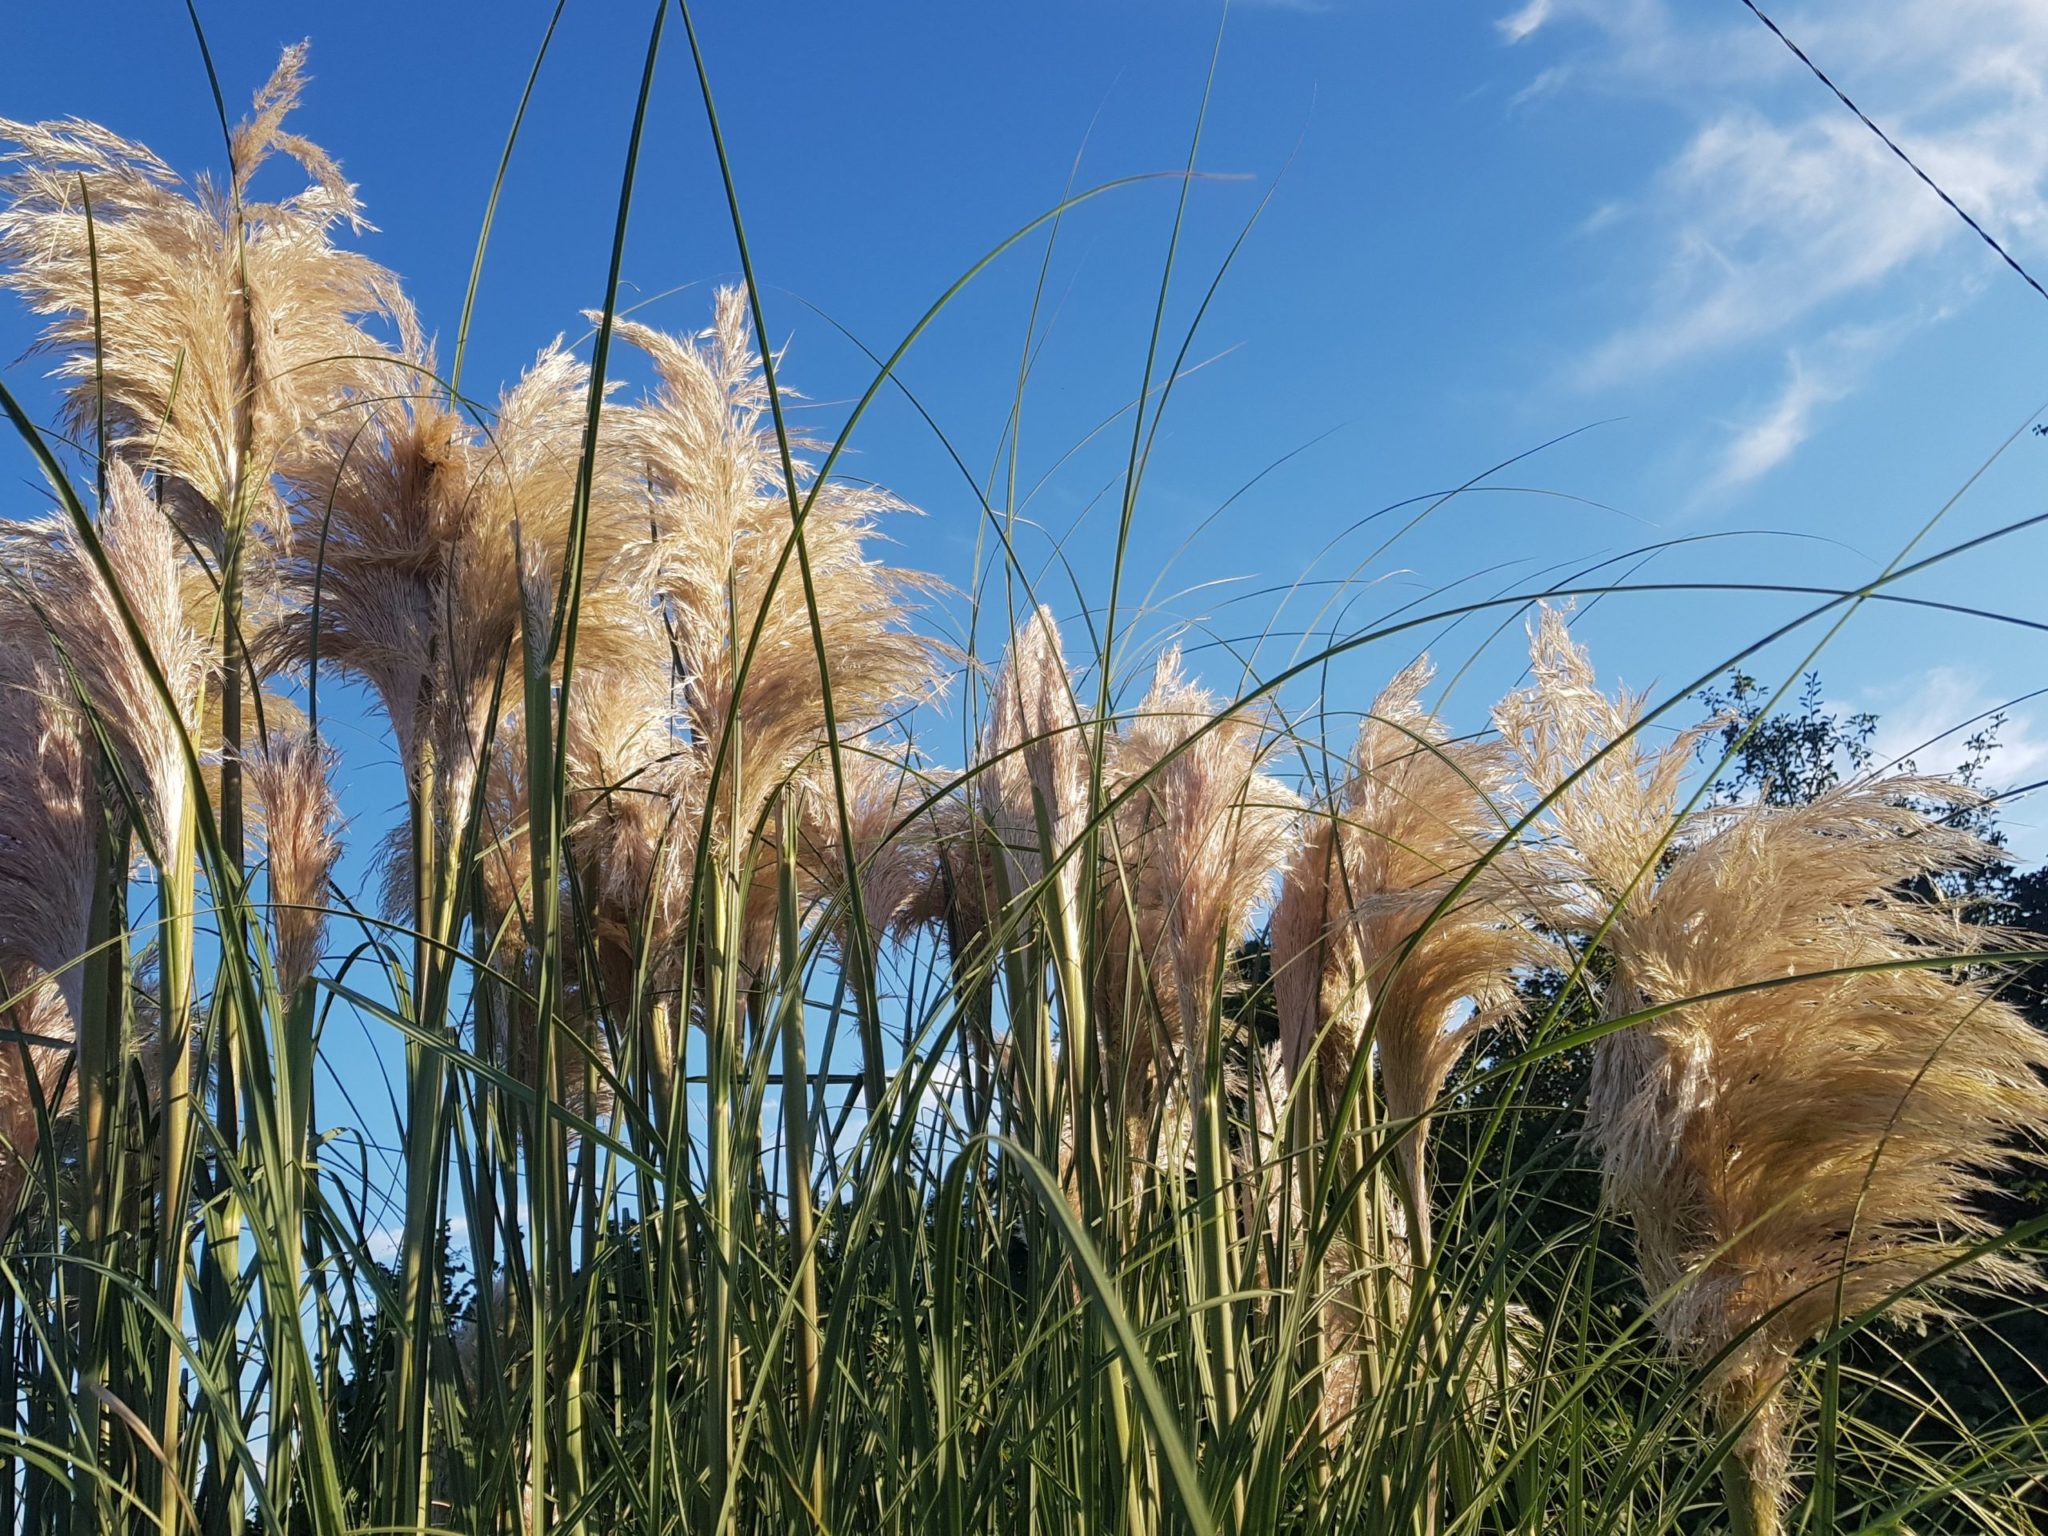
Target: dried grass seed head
x=1200, y=830
x=291, y=777
x=211, y=327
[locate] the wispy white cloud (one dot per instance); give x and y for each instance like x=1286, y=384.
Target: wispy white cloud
x=1927, y=718
x=1754, y=229
x=1524, y=22
x=1816, y=377
x=1777, y=217
x=1547, y=83
x=1610, y=212
x=1768, y=441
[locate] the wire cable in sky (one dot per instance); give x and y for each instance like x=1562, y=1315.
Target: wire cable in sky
x=1842, y=96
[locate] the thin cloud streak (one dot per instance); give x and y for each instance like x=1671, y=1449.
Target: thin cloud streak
x=1779, y=219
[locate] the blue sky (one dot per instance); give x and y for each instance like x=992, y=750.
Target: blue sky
x=1489, y=226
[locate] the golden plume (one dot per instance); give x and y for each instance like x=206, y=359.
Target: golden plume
x=210, y=328
x=290, y=776
x=1197, y=840
x=719, y=562
x=1805, y=1130
x=1361, y=950
x=47, y=835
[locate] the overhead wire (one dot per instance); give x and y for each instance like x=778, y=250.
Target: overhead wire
x=1892, y=144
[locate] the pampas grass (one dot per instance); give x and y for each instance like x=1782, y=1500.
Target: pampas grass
x=292, y=779
x=1403, y=920
x=203, y=328
x=1807, y=1125
x=46, y=889
x=1200, y=833
x=796, y=1132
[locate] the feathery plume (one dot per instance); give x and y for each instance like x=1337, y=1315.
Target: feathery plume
x=897, y=845
x=1820, y=1145
x=636, y=801
x=1815, y=1148
x=1362, y=956
x=210, y=328
x=290, y=777
x=1428, y=811
x=1352, y=941
x=718, y=523
x=1196, y=846
x=1610, y=826
x=420, y=538
x=48, y=819
x=1033, y=761
x=160, y=587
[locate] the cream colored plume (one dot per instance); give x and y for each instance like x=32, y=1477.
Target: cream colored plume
x=214, y=327
x=49, y=816
x=637, y=800
x=73, y=674
x=290, y=776
x=169, y=599
x=717, y=527
x=1602, y=836
x=1199, y=833
x=897, y=834
x=1031, y=775
x=1814, y=1146
x=424, y=542
x=1360, y=948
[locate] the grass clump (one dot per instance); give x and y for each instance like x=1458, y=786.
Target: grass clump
x=1122, y=1131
